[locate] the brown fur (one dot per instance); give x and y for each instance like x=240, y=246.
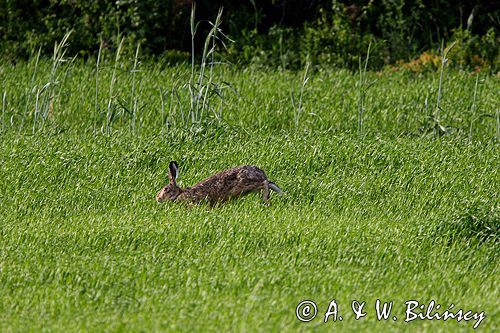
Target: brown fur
x=220, y=187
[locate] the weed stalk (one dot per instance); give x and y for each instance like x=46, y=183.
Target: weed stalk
x=363, y=87
x=4, y=105
x=299, y=109
x=98, y=62
x=473, y=108
x=111, y=112
x=133, y=106
x=163, y=118
x=438, y=128
x=30, y=92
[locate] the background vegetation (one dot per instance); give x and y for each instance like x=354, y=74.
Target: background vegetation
x=284, y=33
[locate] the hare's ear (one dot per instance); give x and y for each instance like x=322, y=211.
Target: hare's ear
x=173, y=168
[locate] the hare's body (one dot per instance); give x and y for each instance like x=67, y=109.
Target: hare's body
x=226, y=184
x=220, y=187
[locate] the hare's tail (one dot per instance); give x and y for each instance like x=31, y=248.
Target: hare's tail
x=275, y=188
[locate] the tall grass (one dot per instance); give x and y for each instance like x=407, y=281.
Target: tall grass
x=199, y=94
x=46, y=96
x=204, y=91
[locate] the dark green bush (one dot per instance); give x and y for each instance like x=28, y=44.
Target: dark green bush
x=157, y=25
x=283, y=33
x=340, y=32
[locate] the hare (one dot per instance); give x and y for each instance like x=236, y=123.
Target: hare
x=220, y=187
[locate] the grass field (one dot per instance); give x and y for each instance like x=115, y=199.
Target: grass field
x=392, y=211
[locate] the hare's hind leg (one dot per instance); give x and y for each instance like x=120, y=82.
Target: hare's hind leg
x=265, y=193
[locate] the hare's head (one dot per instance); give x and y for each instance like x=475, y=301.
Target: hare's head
x=170, y=191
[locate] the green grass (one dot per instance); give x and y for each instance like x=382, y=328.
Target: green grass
x=395, y=215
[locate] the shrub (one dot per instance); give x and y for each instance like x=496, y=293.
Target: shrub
x=272, y=33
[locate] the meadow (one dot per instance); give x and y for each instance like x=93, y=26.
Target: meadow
x=390, y=194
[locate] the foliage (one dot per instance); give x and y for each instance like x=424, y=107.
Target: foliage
x=428, y=61
x=477, y=52
x=278, y=48
x=276, y=33
x=150, y=23
x=333, y=40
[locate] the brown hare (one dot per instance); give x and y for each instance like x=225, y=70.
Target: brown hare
x=220, y=187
